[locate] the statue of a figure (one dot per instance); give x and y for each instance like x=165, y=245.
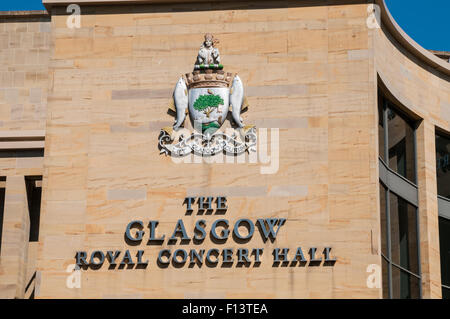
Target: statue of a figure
x=208, y=54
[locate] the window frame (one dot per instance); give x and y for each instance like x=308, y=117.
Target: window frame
x=387, y=104
x=443, y=202
x=445, y=135
x=388, y=258
x=393, y=182
x=2, y=208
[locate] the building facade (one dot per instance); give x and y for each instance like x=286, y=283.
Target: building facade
x=330, y=181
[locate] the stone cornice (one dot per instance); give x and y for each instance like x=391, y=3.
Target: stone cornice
x=409, y=44
x=406, y=41
x=50, y=3
x=23, y=14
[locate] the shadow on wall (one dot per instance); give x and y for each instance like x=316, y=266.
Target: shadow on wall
x=207, y=6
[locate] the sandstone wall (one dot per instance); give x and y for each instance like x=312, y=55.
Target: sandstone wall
x=24, y=58
x=307, y=70
x=424, y=93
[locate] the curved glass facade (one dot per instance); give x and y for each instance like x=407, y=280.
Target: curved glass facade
x=444, y=243
x=398, y=215
x=443, y=165
x=443, y=190
x=399, y=142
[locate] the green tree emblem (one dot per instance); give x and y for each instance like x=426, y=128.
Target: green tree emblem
x=207, y=103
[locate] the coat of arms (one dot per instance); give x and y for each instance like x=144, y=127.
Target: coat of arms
x=208, y=95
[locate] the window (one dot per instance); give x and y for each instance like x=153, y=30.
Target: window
x=2, y=206
x=443, y=190
x=396, y=136
x=399, y=246
x=34, y=189
x=398, y=204
x=443, y=165
x=381, y=130
x=444, y=242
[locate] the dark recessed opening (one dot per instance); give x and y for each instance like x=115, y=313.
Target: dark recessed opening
x=39, y=152
x=34, y=191
x=2, y=207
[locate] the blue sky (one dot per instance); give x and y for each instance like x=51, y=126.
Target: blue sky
x=427, y=22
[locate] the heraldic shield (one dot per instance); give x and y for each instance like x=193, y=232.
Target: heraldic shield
x=208, y=95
